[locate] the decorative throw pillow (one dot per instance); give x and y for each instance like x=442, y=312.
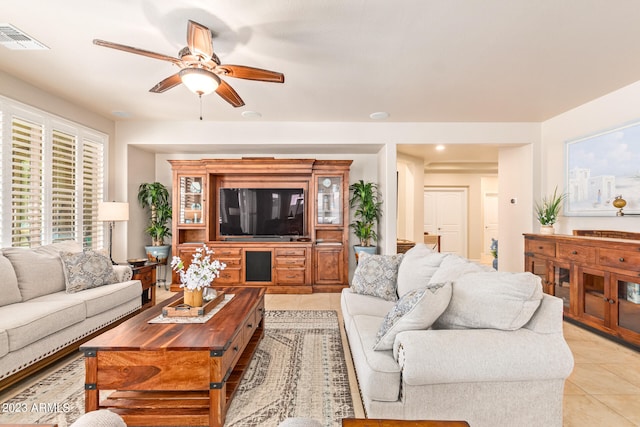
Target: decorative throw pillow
x=418, y=265
x=417, y=309
x=377, y=275
x=86, y=270
x=494, y=300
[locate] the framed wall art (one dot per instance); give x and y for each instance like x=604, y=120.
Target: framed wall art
x=600, y=167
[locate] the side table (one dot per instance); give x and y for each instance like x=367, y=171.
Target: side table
x=147, y=275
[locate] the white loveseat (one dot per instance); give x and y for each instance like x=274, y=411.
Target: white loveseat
x=496, y=356
x=40, y=320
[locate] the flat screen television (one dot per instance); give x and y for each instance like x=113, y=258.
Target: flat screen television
x=262, y=212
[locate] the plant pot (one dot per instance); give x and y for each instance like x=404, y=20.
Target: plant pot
x=158, y=253
x=547, y=229
x=368, y=249
x=193, y=297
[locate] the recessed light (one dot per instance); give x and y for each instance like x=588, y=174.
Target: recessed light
x=440, y=147
x=251, y=114
x=121, y=114
x=379, y=115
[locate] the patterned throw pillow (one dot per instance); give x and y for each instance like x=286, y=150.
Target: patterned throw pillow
x=87, y=270
x=417, y=309
x=377, y=275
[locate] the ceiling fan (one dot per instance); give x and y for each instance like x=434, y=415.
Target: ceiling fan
x=200, y=67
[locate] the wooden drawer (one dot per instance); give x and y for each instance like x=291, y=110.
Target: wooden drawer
x=226, y=252
x=625, y=260
x=576, y=253
x=146, y=277
x=231, y=262
x=298, y=252
x=540, y=247
x=250, y=326
x=233, y=352
x=228, y=276
x=290, y=276
x=290, y=262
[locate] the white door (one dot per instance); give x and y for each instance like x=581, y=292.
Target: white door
x=445, y=213
x=490, y=221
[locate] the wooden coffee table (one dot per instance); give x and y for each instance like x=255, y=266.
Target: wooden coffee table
x=175, y=374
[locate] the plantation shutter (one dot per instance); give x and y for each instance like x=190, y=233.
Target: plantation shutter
x=92, y=193
x=63, y=195
x=26, y=183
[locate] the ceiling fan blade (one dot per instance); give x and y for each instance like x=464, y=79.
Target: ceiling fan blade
x=228, y=94
x=251, y=73
x=167, y=84
x=199, y=40
x=137, y=51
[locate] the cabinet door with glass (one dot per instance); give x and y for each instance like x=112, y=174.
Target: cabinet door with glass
x=329, y=206
x=626, y=290
x=191, y=199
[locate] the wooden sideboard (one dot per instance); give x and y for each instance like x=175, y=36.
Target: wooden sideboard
x=310, y=256
x=598, y=279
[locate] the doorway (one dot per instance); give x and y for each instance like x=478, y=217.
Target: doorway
x=490, y=219
x=445, y=214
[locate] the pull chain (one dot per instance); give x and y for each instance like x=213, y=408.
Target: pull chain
x=200, y=96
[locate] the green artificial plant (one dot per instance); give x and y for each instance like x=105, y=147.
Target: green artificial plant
x=365, y=198
x=155, y=196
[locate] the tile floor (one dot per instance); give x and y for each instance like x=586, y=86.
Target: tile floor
x=603, y=390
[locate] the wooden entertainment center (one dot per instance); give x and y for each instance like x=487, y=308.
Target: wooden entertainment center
x=281, y=224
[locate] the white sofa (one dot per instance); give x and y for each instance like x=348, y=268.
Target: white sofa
x=39, y=319
x=492, y=352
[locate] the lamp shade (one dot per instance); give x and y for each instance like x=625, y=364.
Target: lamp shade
x=199, y=81
x=113, y=211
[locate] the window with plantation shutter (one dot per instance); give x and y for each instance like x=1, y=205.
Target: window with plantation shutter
x=26, y=183
x=51, y=179
x=63, y=187
x=92, y=193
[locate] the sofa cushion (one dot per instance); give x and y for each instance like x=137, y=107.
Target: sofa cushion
x=495, y=300
x=4, y=342
x=377, y=275
x=378, y=372
x=29, y=321
x=100, y=299
x=418, y=265
x=9, y=290
x=415, y=310
x=454, y=266
x=39, y=270
x=85, y=270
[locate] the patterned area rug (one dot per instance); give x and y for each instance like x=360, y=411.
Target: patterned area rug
x=298, y=370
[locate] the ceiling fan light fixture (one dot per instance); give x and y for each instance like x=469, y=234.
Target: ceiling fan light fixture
x=199, y=80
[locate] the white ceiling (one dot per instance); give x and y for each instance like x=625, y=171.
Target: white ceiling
x=420, y=60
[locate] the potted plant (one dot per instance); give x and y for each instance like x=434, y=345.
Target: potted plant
x=155, y=196
x=547, y=211
x=365, y=198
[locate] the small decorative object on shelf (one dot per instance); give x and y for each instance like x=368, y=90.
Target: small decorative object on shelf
x=547, y=211
x=200, y=274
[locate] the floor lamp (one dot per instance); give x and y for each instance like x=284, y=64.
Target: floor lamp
x=111, y=212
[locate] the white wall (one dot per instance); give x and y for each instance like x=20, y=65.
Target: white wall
x=410, y=198
x=609, y=111
x=515, y=180
x=141, y=167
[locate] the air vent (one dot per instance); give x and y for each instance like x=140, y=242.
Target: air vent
x=15, y=39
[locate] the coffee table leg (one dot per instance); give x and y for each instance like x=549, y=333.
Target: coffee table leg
x=91, y=380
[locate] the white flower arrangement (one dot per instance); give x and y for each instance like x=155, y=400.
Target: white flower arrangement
x=202, y=271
